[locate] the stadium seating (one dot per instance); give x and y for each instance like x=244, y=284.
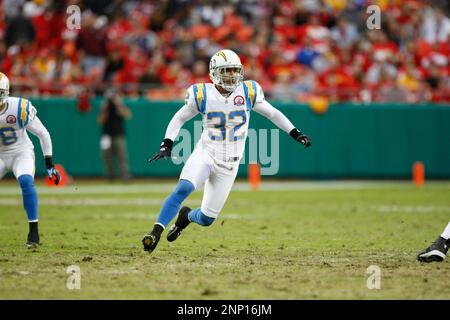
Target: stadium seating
x=295, y=49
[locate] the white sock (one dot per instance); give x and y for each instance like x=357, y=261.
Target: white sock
x=446, y=233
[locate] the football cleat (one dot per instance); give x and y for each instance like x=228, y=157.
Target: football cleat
x=150, y=241
x=32, y=240
x=181, y=223
x=436, y=252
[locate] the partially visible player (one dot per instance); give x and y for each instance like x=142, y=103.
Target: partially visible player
x=225, y=106
x=17, y=116
x=438, y=250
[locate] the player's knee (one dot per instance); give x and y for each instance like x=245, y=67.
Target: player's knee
x=205, y=220
x=184, y=188
x=26, y=183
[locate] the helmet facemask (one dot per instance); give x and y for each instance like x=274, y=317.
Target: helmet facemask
x=4, y=94
x=228, y=77
x=4, y=88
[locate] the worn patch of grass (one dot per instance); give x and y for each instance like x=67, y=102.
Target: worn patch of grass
x=298, y=243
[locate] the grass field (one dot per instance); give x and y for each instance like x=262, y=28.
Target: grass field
x=290, y=240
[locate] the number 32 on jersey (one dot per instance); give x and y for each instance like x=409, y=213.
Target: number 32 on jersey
x=221, y=120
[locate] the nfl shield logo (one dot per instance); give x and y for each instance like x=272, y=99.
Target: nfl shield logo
x=238, y=101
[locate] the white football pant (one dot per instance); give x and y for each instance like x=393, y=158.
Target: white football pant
x=218, y=177
x=20, y=163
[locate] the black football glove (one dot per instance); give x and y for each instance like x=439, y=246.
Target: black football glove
x=164, y=151
x=300, y=137
x=52, y=173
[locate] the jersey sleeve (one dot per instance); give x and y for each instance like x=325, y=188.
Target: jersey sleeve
x=259, y=94
x=189, y=98
x=37, y=128
x=265, y=109
x=196, y=97
x=187, y=112
x=254, y=94
x=26, y=113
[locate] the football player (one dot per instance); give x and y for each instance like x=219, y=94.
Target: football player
x=225, y=106
x=438, y=250
x=17, y=116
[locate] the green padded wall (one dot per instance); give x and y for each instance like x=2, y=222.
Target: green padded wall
x=349, y=141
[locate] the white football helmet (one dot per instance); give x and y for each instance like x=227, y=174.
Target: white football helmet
x=226, y=70
x=4, y=88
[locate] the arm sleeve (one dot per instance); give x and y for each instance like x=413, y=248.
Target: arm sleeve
x=37, y=128
x=186, y=113
x=270, y=112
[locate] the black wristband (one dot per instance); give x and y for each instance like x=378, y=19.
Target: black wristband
x=48, y=162
x=295, y=133
x=167, y=143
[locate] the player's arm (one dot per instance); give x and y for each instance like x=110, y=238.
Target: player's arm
x=36, y=127
x=186, y=113
x=263, y=107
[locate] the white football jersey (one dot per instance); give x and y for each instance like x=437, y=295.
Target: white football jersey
x=14, y=119
x=225, y=119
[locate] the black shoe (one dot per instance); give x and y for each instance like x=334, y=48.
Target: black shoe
x=436, y=252
x=32, y=240
x=150, y=241
x=181, y=223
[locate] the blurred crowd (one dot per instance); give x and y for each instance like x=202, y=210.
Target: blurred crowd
x=294, y=49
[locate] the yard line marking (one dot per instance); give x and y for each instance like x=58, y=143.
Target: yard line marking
x=409, y=208
x=89, y=202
